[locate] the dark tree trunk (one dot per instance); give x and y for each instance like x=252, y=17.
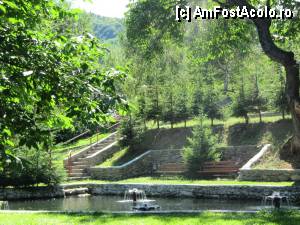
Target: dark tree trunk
x=286, y=59
x=184, y=123
x=283, y=115
x=260, y=117
x=246, y=119
x=212, y=121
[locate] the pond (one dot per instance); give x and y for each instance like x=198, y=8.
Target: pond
x=113, y=204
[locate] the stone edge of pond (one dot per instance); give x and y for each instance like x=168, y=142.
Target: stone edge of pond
x=153, y=190
x=176, y=212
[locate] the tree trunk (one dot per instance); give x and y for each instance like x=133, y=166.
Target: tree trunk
x=212, y=121
x=260, y=117
x=283, y=115
x=246, y=119
x=283, y=57
x=292, y=77
x=184, y=123
x=157, y=121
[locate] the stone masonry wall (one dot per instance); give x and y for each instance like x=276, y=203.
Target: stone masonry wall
x=240, y=154
x=137, y=167
x=269, y=175
x=156, y=190
x=146, y=163
x=272, y=175
x=104, y=154
x=31, y=193
x=198, y=191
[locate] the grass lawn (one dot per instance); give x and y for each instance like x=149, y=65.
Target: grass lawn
x=180, y=180
x=228, y=122
x=206, y=218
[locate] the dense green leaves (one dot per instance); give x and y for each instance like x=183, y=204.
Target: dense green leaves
x=50, y=77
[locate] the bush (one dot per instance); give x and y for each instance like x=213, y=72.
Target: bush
x=20, y=172
x=201, y=148
x=131, y=131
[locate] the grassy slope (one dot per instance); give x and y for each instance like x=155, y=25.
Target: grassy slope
x=231, y=132
x=274, y=218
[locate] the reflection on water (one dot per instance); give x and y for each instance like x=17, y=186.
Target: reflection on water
x=112, y=203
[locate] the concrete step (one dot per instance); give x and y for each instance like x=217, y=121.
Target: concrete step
x=74, y=170
x=72, y=174
x=81, y=159
x=80, y=163
x=79, y=178
x=79, y=167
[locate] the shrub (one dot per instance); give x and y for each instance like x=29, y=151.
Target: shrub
x=201, y=148
x=131, y=130
x=21, y=172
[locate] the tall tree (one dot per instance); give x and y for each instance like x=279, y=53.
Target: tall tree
x=155, y=22
x=49, y=77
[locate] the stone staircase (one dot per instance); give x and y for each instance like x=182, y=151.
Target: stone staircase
x=77, y=165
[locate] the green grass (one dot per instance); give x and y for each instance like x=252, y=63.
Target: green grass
x=180, y=180
x=228, y=122
x=206, y=218
x=115, y=159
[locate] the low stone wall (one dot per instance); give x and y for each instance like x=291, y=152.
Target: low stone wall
x=149, y=161
x=137, y=167
x=154, y=190
x=272, y=175
x=198, y=191
x=240, y=154
x=104, y=154
x=31, y=193
x=269, y=175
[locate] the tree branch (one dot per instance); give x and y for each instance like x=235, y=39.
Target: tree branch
x=263, y=28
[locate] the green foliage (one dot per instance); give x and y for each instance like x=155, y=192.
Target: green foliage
x=31, y=168
x=51, y=76
x=145, y=36
x=131, y=131
x=241, y=105
x=201, y=148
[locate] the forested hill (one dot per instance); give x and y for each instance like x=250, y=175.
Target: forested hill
x=106, y=28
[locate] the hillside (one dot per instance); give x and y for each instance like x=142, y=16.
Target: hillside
x=106, y=28
x=228, y=134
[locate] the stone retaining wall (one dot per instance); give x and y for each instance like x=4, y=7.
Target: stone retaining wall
x=31, y=193
x=142, y=165
x=272, y=175
x=156, y=190
x=104, y=154
x=149, y=161
x=240, y=154
x=269, y=175
x=198, y=191
x=137, y=167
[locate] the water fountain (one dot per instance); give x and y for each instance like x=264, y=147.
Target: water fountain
x=4, y=205
x=276, y=200
x=139, y=200
x=135, y=195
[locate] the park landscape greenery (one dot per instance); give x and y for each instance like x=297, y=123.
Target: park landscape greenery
x=64, y=71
